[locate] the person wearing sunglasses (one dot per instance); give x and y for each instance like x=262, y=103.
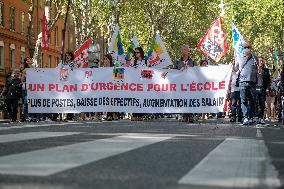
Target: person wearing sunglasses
x=139, y=58
x=247, y=82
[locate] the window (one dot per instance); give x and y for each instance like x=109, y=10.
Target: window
x=12, y=56
x=56, y=36
x=23, y=54
x=49, y=61
x=22, y=19
x=1, y=14
x=1, y=54
x=12, y=18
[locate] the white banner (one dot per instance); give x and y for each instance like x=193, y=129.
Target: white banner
x=195, y=90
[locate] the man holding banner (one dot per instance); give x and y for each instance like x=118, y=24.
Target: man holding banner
x=184, y=62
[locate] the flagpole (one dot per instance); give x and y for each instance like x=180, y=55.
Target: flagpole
x=64, y=31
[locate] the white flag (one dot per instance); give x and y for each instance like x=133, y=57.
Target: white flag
x=238, y=42
x=115, y=46
x=158, y=56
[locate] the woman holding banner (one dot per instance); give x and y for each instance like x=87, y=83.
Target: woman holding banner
x=66, y=67
x=108, y=62
x=139, y=58
x=139, y=62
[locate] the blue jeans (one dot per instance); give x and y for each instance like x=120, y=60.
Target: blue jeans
x=248, y=94
x=236, y=105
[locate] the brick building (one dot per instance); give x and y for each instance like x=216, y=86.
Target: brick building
x=13, y=35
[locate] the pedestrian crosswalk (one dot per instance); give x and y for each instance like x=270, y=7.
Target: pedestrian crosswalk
x=41, y=163
x=235, y=163
x=232, y=163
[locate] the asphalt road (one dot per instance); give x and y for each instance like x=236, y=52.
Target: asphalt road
x=157, y=154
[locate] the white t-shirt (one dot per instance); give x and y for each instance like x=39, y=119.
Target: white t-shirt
x=140, y=64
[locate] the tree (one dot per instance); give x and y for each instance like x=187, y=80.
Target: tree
x=181, y=22
x=35, y=51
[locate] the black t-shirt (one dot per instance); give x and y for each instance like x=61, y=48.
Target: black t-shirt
x=13, y=88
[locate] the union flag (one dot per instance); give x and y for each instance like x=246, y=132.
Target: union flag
x=214, y=43
x=81, y=54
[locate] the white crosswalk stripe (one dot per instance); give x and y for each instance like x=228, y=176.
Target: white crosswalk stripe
x=32, y=135
x=235, y=163
x=52, y=160
x=22, y=126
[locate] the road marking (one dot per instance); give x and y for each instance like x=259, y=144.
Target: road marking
x=32, y=135
x=258, y=133
x=36, y=125
x=53, y=160
x=235, y=163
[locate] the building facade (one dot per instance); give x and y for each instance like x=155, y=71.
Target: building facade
x=13, y=35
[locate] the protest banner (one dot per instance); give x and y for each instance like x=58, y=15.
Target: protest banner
x=196, y=90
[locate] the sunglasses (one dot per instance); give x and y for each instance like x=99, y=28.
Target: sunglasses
x=247, y=47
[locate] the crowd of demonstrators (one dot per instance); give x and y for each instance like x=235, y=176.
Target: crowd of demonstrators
x=258, y=95
x=253, y=92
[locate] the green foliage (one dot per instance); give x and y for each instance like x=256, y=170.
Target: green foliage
x=261, y=22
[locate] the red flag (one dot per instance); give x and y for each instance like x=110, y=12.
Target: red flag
x=44, y=37
x=81, y=54
x=214, y=43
